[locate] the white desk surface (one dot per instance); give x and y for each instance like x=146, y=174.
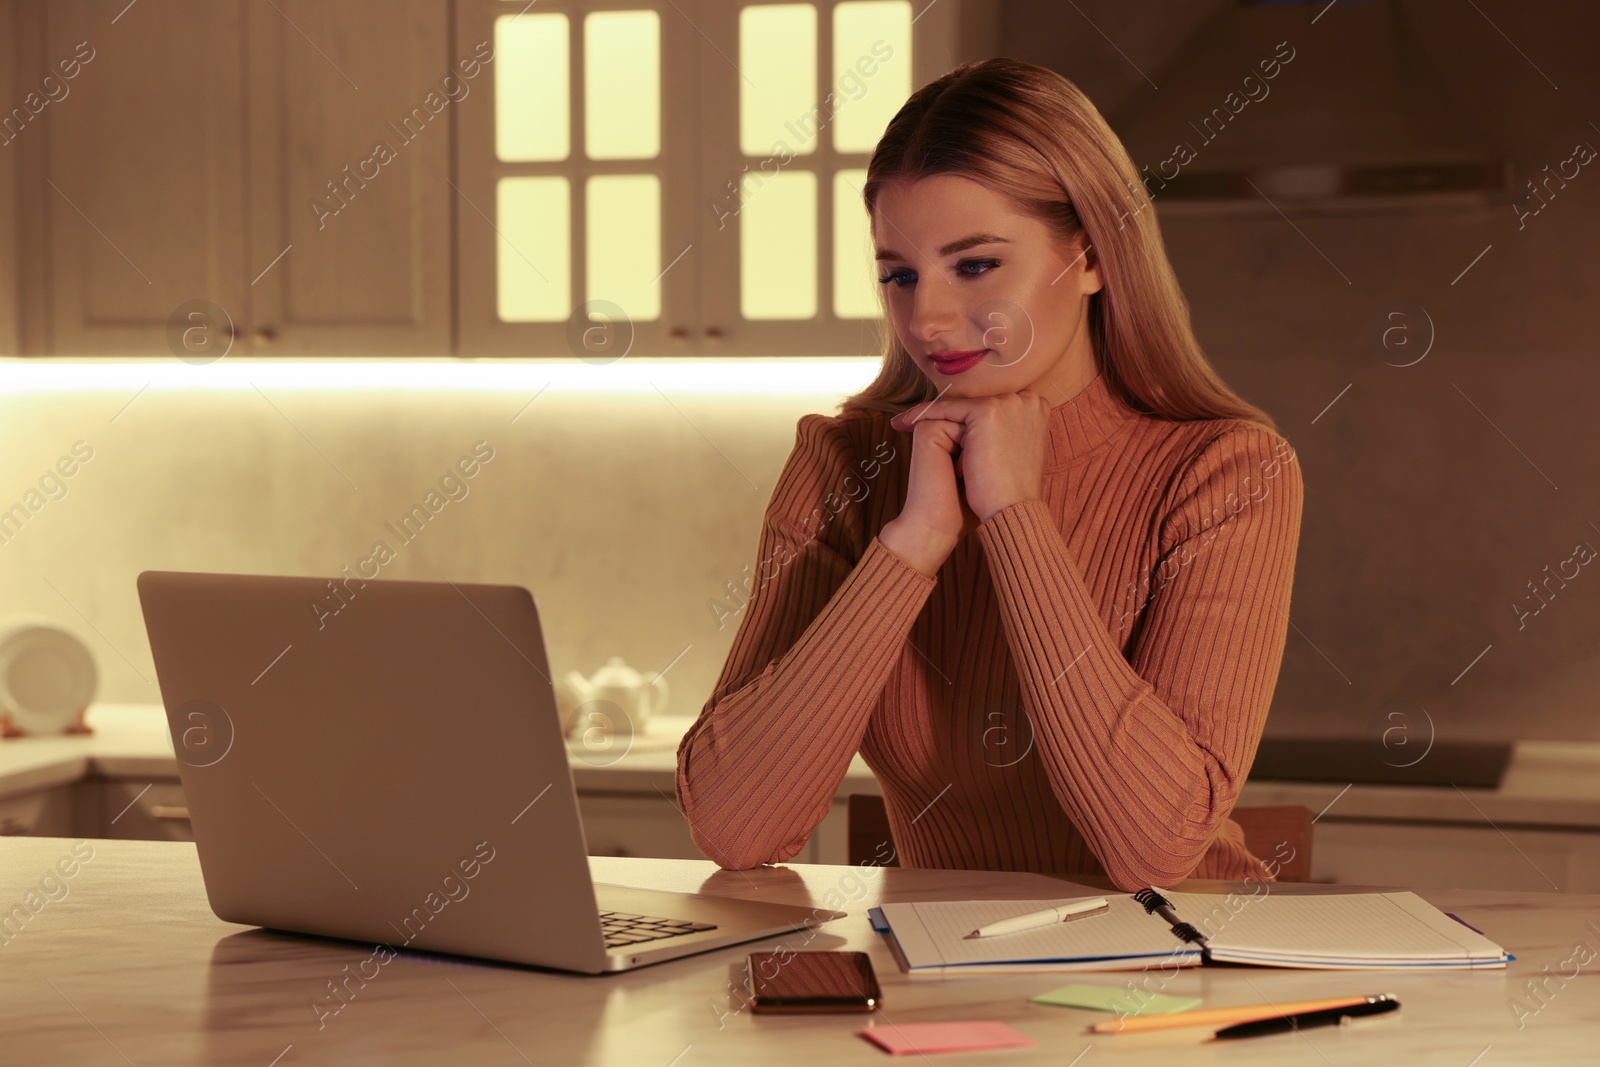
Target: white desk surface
x=132, y=967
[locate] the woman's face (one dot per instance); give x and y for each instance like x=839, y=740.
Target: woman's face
x=966, y=274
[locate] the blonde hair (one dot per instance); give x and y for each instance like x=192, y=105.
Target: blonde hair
x=1031, y=135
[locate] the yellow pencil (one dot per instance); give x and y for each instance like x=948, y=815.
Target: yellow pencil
x=1220, y=1017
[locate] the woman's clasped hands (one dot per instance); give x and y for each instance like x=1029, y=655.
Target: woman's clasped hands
x=1001, y=441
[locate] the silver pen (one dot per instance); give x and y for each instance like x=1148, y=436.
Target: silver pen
x=1061, y=913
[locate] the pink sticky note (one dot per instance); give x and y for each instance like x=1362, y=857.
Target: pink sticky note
x=900, y=1039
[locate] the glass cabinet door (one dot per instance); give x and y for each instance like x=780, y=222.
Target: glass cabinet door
x=569, y=244
x=679, y=177
x=793, y=111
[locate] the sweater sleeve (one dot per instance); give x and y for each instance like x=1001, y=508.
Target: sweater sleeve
x=821, y=632
x=1147, y=754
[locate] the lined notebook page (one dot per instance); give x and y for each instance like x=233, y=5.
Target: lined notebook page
x=934, y=933
x=1351, y=926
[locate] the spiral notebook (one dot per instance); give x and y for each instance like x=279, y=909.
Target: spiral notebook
x=1343, y=931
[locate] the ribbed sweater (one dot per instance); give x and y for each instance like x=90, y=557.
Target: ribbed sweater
x=1079, y=690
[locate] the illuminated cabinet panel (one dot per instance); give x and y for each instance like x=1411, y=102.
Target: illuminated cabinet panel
x=532, y=262
x=778, y=247
x=854, y=273
x=871, y=69
x=777, y=75
x=624, y=235
x=622, y=85
x=531, y=82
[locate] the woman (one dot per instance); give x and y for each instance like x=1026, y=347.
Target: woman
x=1038, y=572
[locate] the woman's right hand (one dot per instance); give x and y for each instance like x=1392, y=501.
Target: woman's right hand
x=934, y=516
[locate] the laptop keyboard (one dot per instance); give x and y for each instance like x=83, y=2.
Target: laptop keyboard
x=624, y=928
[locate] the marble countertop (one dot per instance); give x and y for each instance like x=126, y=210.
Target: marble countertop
x=1548, y=785
x=129, y=740
x=129, y=965
x=1551, y=784
x=132, y=741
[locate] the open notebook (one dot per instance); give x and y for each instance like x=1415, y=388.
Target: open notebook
x=1354, y=931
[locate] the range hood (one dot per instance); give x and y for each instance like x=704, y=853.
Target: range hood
x=1307, y=104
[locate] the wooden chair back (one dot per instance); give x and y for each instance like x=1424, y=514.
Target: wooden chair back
x=870, y=840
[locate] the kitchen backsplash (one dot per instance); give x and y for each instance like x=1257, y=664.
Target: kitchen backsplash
x=626, y=515
x=1444, y=505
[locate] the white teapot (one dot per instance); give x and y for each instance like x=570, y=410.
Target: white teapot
x=639, y=697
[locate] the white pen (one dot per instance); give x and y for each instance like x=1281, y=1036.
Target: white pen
x=1063, y=913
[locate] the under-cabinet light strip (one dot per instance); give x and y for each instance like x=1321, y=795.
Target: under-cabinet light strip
x=745, y=376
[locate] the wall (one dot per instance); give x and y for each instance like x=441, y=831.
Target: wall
x=624, y=514
x=627, y=515
x=1435, y=492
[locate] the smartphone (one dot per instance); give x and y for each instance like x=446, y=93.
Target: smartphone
x=813, y=982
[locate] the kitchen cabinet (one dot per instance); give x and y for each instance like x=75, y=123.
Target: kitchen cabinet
x=625, y=825
x=783, y=240
x=550, y=201
x=1430, y=856
x=725, y=217
x=207, y=185
x=45, y=812
x=649, y=824
x=10, y=336
x=262, y=177
x=627, y=811
x=135, y=172
x=349, y=120
x=1540, y=828
x=137, y=809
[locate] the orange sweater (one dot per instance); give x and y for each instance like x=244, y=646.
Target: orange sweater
x=1081, y=688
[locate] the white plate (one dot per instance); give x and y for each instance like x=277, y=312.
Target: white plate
x=47, y=676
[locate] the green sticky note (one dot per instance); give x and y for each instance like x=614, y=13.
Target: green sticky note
x=1111, y=998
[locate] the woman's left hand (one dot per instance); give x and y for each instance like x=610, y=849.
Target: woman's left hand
x=1003, y=443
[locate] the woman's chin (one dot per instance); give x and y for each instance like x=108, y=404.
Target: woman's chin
x=964, y=386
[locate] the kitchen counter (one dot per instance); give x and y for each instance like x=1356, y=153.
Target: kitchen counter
x=1544, y=817
x=132, y=741
x=1548, y=784
x=129, y=741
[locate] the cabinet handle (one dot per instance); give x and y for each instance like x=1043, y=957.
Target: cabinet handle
x=678, y=336
x=265, y=335
x=170, y=811
x=713, y=333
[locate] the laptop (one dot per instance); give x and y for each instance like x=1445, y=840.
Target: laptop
x=384, y=761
